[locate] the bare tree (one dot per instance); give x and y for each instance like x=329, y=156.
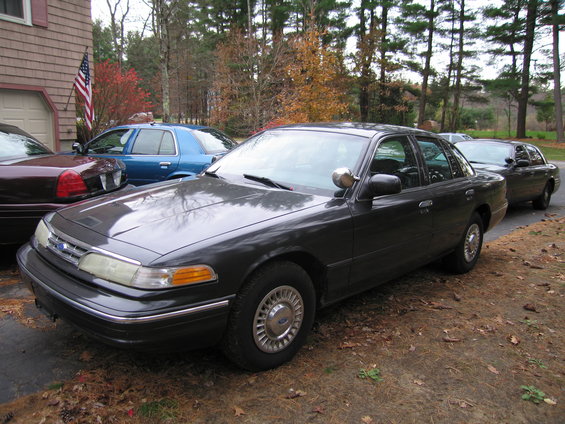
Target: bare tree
x=118, y=17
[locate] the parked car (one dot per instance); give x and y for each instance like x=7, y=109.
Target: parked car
x=159, y=152
x=34, y=181
x=455, y=137
x=294, y=219
x=529, y=177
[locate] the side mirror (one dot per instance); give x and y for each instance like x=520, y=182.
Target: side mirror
x=509, y=161
x=520, y=163
x=380, y=185
x=344, y=178
x=79, y=148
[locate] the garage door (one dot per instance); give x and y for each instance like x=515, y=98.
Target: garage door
x=30, y=112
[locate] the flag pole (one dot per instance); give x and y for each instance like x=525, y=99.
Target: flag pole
x=73, y=88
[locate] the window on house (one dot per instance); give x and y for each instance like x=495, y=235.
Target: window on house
x=13, y=8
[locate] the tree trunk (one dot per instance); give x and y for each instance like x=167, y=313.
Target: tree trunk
x=557, y=73
x=426, y=73
x=524, y=94
x=458, y=71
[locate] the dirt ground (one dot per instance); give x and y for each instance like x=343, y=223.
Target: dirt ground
x=428, y=348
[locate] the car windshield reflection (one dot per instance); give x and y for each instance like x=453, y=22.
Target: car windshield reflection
x=303, y=160
x=489, y=153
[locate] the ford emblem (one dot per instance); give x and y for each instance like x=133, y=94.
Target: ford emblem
x=62, y=246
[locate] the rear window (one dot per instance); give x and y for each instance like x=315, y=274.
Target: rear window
x=214, y=141
x=19, y=145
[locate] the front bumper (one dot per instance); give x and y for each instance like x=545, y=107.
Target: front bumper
x=139, y=324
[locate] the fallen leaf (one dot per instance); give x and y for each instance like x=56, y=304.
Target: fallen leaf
x=412, y=348
x=367, y=420
x=493, y=370
x=550, y=401
x=519, y=277
x=293, y=394
x=451, y=339
x=86, y=356
x=238, y=411
x=130, y=412
x=318, y=409
x=437, y=305
x=53, y=402
x=348, y=345
x=419, y=382
x=456, y=297
x=530, y=307
x=514, y=340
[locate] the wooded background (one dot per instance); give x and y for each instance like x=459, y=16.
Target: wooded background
x=243, y=65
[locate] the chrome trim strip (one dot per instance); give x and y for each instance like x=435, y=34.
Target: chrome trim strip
x=132, y=320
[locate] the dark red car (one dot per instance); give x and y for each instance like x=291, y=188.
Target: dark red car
x=34, y=181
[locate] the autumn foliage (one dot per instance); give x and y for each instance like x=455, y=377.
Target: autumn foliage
x=117, y=95
x=314, y=90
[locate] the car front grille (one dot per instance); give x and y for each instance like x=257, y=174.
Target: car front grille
x=65, y=249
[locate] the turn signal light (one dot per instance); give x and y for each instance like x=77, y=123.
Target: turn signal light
x=193, y=274
x=70, y=184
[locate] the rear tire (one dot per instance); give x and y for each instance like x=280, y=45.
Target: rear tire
x=542, y=202
x=467, y=252
x=271, y=317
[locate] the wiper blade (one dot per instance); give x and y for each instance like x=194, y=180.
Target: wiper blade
x=267, y=182
x=211, y=174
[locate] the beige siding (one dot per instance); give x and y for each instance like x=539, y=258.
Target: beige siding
x=49, y=58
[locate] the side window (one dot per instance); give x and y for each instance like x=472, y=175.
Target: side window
x=167, y=145
x=154, y=142
x=464, y=164
x=111, y=143
x=436, y=160
x=395, y=156
x=521, y=153
x=536, y=157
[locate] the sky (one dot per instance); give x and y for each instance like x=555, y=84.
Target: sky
x=139, y=11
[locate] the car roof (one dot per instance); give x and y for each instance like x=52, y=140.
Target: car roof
x=161, y=125
x=500, y=141
x=364, y=129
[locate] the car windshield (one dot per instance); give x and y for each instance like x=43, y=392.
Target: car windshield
x=19, y=145
x=297, y=159
x=489, y=153
x=214, y=141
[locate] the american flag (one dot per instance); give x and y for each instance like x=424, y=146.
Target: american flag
x=83, y=86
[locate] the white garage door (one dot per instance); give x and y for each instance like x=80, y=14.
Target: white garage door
x=28, y=110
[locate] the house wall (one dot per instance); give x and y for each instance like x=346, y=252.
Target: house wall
x=45, y=56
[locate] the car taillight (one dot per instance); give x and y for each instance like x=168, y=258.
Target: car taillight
x=70, y=184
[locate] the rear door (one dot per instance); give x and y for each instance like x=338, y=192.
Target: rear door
x=152, y=156
x=538, y=169
x=451, y=191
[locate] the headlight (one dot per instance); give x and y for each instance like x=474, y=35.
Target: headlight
x=42, y=233
x=134, y=275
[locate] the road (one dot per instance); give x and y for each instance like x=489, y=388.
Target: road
x=38, y=354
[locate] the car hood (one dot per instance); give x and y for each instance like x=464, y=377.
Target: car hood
x=166, y=216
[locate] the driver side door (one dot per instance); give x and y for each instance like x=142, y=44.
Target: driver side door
x=392, y=233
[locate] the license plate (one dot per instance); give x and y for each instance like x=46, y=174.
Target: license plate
x=111, y=180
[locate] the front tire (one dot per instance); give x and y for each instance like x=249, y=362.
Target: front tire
x=542, y=202
x=466, y=254
x=271, y=317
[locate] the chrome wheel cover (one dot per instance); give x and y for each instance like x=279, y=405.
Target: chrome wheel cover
x=278, y=319
x=472, y=242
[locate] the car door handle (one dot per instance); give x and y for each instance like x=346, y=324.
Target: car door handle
x=164, y=163
x=469, y=194
x=426, y=204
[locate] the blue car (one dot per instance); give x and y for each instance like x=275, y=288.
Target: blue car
x=159, y=152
